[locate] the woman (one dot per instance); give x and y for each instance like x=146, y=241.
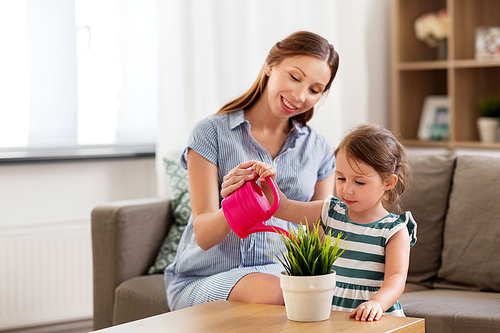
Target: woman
x=267, y=123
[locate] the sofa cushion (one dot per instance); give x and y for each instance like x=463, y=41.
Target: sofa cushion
x=411, y=287
x=178, y=187
x=140, y=297
x=472, y=227
x=427, y=199
x=454, y=311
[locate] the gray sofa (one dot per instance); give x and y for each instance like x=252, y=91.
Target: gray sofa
x=454, y=274
x=126, y=236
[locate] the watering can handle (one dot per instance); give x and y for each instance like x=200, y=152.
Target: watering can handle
x=276, y=195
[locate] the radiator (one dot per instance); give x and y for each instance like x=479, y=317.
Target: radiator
x=45, y=274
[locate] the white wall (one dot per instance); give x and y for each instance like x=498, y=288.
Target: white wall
x=38, y=193
x=46, y=206
x=360, y=91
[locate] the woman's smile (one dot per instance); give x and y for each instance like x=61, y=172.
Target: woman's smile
x=289, y=107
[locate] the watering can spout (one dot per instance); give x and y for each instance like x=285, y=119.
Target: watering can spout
x=261, y=227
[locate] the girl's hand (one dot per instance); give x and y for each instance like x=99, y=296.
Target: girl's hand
x=236, y=178
x=367, y=311
x=264, y=170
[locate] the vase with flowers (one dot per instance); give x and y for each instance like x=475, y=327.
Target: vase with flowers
x=433, y=29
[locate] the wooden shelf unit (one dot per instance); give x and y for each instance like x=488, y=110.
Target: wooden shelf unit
x=415, y=72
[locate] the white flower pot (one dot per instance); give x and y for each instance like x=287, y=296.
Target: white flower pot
x=308, y=298
x=488, y=129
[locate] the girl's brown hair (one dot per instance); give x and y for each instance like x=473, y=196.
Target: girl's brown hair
x=302, y=43
x=377, y=147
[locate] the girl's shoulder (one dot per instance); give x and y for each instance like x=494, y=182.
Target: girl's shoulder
x=334, y=214
x=334, y=208
x=394, y=223
x=332, y=202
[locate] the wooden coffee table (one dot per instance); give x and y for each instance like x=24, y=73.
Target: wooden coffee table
x=224, y=316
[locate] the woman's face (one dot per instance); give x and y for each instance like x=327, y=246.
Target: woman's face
x=296, y=85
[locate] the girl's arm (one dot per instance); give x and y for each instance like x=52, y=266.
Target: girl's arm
x=322, y=190
x=209, y=224
x=397, y=257
x=290, y=210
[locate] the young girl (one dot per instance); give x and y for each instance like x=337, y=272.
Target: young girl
x=371, y=174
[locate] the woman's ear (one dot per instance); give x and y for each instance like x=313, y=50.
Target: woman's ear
x=269, y=69
x=390, y=181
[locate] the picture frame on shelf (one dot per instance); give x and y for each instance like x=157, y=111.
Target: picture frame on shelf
x=488, y=43
x=434, y=119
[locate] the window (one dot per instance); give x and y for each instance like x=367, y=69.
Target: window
x=14, y=106
x=82, y=72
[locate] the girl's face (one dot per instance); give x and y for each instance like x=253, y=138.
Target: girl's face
x=361, y=188
x=296, y=85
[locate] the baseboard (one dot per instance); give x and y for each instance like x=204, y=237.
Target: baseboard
x=80, y=326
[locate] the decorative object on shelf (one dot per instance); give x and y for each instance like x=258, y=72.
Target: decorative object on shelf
x=488, y=43
x=415, y=74
x=434, y=123
x=433, y=29
x=308, y=281
x=488, y=122
x=442, y=49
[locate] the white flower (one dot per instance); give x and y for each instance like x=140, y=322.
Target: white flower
x=432, y=27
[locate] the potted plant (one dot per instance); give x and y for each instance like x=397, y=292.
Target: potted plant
x=308, y=280
x=488, y=122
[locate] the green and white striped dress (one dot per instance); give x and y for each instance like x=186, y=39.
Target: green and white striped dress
x=360, y=269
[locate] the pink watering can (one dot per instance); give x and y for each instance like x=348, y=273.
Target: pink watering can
x=247, y=209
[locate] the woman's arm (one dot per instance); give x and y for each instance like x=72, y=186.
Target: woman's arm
x=289, y=210
x=209, y=225
x=324, y=188
x=397, y=257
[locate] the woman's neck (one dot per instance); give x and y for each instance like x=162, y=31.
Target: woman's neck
x=266, y=129
x=262, y=119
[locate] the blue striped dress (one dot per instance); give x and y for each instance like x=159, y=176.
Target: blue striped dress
x=197, y=276
x=360, y=269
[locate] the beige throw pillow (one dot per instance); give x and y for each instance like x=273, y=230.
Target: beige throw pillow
x=472, y=227
x=427, y=200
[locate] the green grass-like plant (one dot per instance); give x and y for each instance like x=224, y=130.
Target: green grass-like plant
x=490, y=106
x=307, y=254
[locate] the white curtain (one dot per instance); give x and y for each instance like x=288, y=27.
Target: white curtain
x=212, y=50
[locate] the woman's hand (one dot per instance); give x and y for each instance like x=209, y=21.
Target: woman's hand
x=367, y=311
x=237, y=177
x=264, y=170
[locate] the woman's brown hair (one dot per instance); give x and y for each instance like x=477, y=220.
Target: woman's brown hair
x=377, y=147
x=301, y=43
